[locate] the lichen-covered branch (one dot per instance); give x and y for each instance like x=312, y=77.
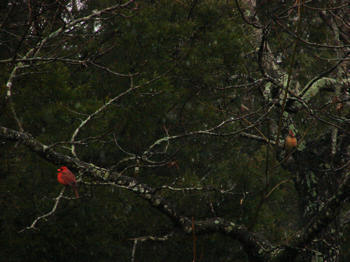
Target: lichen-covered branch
x=256, y=246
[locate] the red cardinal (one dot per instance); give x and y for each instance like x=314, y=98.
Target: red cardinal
x=67, y=178
x=291, y=141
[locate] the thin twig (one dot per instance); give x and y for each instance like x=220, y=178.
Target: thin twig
x=133, y=250
x=57, y=200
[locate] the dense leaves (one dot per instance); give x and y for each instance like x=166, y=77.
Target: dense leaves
x=180, y=95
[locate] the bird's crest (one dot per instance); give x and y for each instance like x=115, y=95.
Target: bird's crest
x=291, y=133
x=62, y=168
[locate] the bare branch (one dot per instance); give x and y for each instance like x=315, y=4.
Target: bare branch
x=311, y=44
x=52, y=211
x=323, y=74
x=239, y=232
x=154, y=238
x=99, y=110
x=210, y=131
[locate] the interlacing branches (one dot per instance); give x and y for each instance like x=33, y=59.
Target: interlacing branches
x=257, y=247
x=281, y=96
x=33, y=54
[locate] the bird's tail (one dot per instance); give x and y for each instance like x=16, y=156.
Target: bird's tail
x=75, y=191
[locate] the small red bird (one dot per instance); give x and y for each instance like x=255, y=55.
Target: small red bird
x=67, y=178
x=291, y=141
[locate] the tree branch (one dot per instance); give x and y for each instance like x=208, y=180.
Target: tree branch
x=257, y=247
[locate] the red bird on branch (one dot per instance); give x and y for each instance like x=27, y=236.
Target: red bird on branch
x=291, y=141
x=67, y=178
